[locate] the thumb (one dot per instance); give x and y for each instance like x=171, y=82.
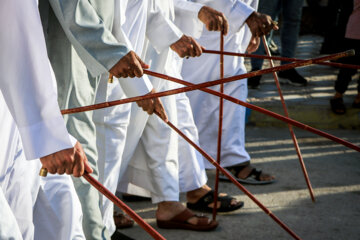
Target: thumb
x=87, y=166
x=143, y=65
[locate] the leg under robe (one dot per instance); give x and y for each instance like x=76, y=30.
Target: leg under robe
x=206, y=107
x=18, y=176
x=57, y=212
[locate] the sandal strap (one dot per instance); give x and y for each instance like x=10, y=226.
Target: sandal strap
x=183, y=216
x=256, y=173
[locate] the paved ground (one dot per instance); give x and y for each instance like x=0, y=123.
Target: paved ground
x=309, y=105
x=334, y=172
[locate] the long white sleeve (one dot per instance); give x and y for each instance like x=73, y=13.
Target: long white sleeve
x=236, y=12
x=160, y=31
x=26, y=80
x=186, y=19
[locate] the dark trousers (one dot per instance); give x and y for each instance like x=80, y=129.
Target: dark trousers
x=345, y=74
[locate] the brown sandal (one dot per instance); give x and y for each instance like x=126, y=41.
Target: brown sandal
x=180, y=221
x=122, y=221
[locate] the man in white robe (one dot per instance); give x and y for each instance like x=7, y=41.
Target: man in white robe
x=83, y=49
x=242, y=21
x=192, y=173
x=161, y=169
x=32, y=102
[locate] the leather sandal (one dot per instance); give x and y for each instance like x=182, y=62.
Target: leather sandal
x=252, y=178
x=180, y=221
x=225, y=203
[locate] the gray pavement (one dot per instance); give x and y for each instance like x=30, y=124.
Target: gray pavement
x=334, y=172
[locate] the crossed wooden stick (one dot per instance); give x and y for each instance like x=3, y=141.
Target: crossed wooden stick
x=203, y=87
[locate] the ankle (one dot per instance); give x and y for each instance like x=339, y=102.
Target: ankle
x=194, y=195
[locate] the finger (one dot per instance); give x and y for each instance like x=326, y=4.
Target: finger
x=60, y=171
x=159, y=108
x=192, y=51
x=87, y=165
x=138, y=71
x=131, y=74
x=210, y=27
x=78, y=170
x=225, y=26
x=197, y=48
x=143, y=65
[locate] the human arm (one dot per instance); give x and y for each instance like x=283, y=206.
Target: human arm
x=27, y=83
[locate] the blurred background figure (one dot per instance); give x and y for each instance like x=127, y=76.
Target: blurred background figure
x=351, y=41
x=290, y=13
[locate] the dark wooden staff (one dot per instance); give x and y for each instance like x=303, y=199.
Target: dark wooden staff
x=229, y=98
x=221, y=115
x=293, y=136
x=302, y=63
x=232, y=179
x=285, y=59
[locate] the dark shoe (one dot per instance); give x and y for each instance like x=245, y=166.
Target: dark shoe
x=119, y=236
x=122, y=221
x=356, y=104
x=253, y=177
x=338, y=106
x=203, y=203
x=254, y=82
x=292, y=77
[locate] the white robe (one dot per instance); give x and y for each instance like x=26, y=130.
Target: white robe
x=18, y=180
x=131, y=20
x=29, y=92
x=191, y=168
x=206, y=68
x=9, y=229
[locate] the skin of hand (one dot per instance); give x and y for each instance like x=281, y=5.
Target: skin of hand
x=213, y=20
x=253, y=44
x=69, y=161
x=129, y=66
x=260, y=24
x=153, y=105
x=187, y=47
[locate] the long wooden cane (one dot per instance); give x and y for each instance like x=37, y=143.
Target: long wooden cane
x=232, y=179
x=203, y=86
x=285, y=59
x=293, y=136
x=302, y=63
x=221, y=115
x=152, y=232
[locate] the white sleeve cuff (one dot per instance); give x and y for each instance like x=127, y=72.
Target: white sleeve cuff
x=46, y=137
x=238, y=15
x=186, y=18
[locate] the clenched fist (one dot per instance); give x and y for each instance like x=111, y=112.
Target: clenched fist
x=129, y=66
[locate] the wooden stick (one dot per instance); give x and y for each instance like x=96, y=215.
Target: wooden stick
x=293, y=136
x=117, y=202
x=232, y=179
x=261, y=110
x=221, y=115
x=203, y=86
x=302, y=63
x=285, y=59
